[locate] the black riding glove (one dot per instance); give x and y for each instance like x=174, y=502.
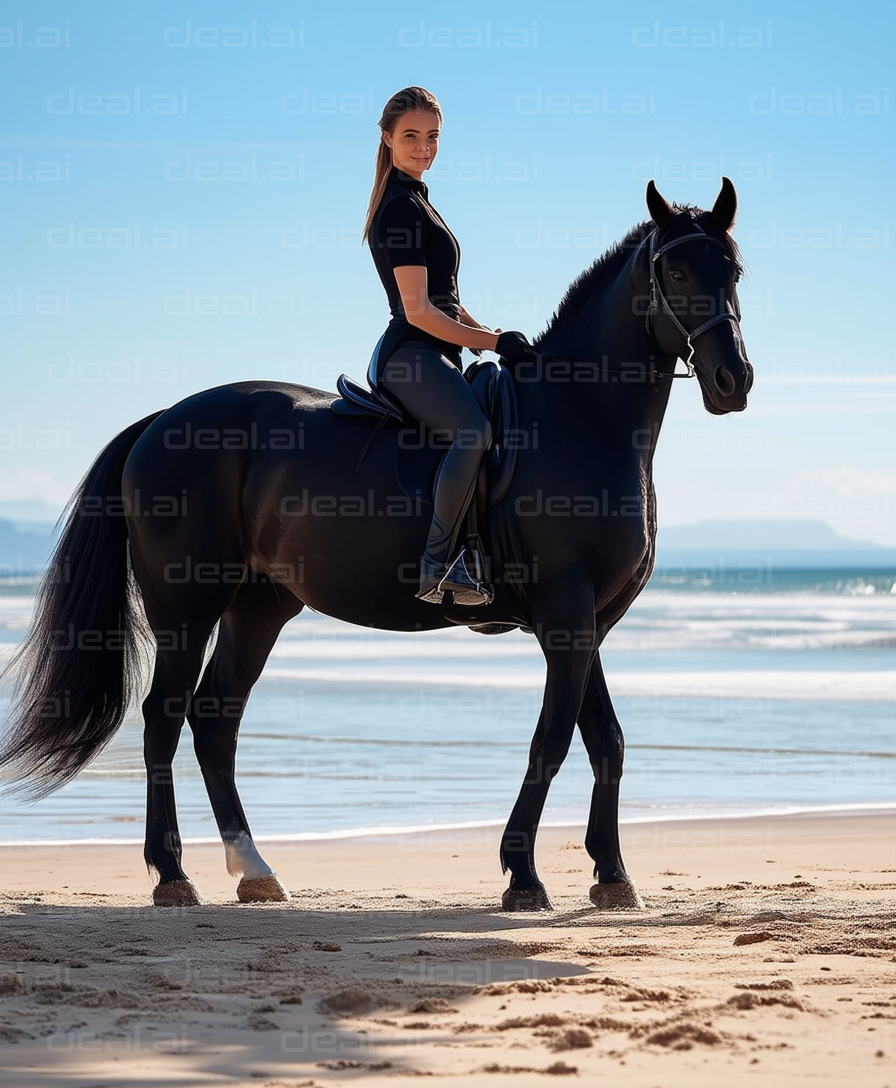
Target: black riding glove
x=514, y=347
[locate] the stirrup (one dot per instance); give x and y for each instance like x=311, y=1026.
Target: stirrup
x=466, y=585
x=434, y=596
x=433, y=566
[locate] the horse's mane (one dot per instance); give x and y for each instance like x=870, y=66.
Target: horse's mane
x=605, y=269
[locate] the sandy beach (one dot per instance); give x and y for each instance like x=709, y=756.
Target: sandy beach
x=765, y=955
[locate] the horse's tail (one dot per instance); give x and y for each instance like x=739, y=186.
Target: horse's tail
x=80, y=662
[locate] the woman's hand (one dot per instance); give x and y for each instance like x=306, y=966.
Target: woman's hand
x=514, y=347
x=468, y=319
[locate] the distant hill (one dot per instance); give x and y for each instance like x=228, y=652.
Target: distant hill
x=798, y=544
x=806, y=544
x=28, y=512
x=23, y=549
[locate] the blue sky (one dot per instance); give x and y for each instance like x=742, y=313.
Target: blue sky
x=184, y=188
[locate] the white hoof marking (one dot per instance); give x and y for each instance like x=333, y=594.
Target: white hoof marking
x=243, y=858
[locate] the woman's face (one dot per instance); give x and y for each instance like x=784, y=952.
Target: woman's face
x=414, y=141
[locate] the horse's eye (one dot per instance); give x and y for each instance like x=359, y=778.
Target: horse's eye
x=679, y=277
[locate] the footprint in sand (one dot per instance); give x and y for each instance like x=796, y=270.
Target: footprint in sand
x=557, y=1069
x=683, y=1036
x=349, y=1003
x=751, y=1000
x=572, y=1039
x=774, y=984
x=432, y=1005
x=753, y=938
x=326, y=946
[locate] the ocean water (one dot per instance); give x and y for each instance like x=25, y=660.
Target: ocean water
x=772, y=696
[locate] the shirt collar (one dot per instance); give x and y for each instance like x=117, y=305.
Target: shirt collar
x=408, y=182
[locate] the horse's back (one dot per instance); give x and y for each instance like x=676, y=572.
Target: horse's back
x=249, y=417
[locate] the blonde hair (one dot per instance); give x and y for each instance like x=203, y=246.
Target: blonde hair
x=405, y=101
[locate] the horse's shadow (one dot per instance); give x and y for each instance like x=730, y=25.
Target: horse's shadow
x=290, y=986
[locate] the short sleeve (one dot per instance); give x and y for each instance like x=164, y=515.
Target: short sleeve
x=401, y=232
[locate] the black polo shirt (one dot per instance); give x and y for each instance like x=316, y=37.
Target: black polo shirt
x=407, y=230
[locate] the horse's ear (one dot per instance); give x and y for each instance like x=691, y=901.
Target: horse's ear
x=725, y=207
x=660, y=212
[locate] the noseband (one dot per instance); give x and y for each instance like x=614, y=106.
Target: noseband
x=658, y=298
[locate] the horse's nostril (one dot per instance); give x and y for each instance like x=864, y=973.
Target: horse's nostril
x=724, y=380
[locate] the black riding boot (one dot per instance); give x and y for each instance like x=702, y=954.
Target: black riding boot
x=443, y=570
x=431, y=388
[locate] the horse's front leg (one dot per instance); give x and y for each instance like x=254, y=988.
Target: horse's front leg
x=567, y=639
x=602, y=735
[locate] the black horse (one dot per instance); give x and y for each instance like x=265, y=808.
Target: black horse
x=241, y=505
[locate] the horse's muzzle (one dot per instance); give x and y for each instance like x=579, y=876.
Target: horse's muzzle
x=726, y=391
x=724, y=380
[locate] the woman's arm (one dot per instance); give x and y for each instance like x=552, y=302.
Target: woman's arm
x=412, y=280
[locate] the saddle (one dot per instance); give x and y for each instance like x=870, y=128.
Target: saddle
x=419, y=452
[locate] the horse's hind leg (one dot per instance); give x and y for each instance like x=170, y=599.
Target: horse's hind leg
x=603, y=740
x=248, y=631
x=178, y=663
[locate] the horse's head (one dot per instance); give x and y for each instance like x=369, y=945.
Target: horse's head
x=694, y=313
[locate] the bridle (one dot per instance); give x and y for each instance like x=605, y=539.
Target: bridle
x=658, y=298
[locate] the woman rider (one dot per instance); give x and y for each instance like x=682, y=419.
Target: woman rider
x=418, y=358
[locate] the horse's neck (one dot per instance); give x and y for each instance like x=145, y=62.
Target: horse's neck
x=607, y=326
x=609, y=330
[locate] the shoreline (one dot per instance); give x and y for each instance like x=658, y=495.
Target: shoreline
x=870, y=808
x=721, y=843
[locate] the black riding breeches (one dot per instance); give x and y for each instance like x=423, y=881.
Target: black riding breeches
x=433, y=390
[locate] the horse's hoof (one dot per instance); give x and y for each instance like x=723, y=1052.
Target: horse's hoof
x=262, y=889
x=620, y=896
x=176, y=893
x=526, y=899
